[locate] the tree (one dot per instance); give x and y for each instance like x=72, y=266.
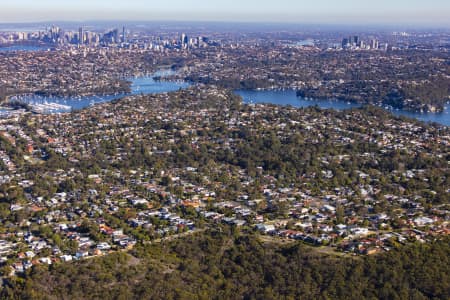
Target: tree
x=340, y=213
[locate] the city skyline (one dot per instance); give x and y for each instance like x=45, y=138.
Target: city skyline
x=412, y=12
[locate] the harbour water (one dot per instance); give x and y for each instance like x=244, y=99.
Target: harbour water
x=22, y=48
x=289, y=97
x=140, y=85
x=147, y=85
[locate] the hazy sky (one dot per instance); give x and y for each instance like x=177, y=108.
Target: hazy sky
x=299, y=11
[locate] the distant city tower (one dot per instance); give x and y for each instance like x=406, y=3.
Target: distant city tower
x=374, y=44
x=80, y=35
x=184, y=40
x=345, y=43
x=115, y=33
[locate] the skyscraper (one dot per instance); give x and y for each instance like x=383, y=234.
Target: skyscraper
x=345, y=43
x=374, y=44
x=184, y=40
x=116, y=36
x=124, y=37
x=80, y=35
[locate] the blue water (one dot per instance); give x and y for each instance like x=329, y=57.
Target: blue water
x=140, y=85
x=289, y=97
x=308, y=42
x=22, y=48
x=146, y=85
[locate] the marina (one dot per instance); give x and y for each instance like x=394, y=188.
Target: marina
x=148, y=85
x=140, y=85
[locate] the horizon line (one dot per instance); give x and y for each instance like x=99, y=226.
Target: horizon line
x=424, y=25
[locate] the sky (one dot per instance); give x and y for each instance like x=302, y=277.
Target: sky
x=413, y=12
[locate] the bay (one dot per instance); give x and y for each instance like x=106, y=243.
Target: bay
x=147, y=85
x=289, y=97
x=22, y=48
x=139, y=85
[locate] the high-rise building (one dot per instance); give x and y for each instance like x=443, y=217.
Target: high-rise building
x=124, y=37
x=184, y=40
x=201, y=41
x=80, y=35
x=374, y=44
x=116, y=36
x=345, y=43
